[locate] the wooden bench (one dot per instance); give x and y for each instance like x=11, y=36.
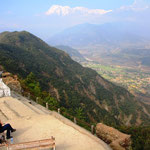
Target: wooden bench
x=45, y=144
x=3, y=141
x=2, y=137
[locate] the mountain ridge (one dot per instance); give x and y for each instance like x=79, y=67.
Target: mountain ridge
x=115, y=34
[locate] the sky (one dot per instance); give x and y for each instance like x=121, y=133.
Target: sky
x=47, y=17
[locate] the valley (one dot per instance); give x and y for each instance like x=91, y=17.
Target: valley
x=128, y=67
x=135, y=80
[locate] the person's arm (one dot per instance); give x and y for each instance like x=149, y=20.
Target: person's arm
x=2, y=123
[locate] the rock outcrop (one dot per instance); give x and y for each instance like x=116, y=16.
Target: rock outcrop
x=11, y=81
x=113, y=137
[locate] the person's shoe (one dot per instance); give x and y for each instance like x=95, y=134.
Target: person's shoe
x=13, y=130
x=9, y=137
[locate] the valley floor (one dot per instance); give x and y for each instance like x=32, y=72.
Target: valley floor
x=134, y=79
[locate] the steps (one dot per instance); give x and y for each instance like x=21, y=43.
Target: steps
x=13, y=109
x=3, y=116
x=31, y=104
x=7, y=111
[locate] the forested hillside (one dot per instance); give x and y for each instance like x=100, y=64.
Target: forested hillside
x=74, y=86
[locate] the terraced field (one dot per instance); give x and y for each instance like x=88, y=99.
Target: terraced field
x=136, y=80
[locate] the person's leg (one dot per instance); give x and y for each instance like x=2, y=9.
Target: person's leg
x=8, y=128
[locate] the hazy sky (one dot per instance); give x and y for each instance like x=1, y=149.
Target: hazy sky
x=46, y=17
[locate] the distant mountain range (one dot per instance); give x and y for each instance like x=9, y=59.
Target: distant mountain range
x=73, y=85
x=114, y=41
x=107, y=35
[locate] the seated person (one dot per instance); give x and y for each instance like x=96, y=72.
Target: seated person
x=8, y=128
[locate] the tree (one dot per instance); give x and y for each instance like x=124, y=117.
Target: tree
x=54, y=104
x=32, y=84
x=79, y=113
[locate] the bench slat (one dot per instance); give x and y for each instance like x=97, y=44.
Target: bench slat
x=40, y=144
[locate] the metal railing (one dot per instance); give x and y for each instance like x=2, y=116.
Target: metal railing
x=82, y=123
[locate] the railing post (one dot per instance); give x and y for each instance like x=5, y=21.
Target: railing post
x=37, y=100
x=28, y=95
x=59, y=110
x=92, y=129
x=47, y=106
x=75, y=120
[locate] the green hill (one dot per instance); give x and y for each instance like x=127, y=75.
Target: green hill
x=74, y=86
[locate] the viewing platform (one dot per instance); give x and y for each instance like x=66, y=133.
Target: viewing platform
x=35, y=123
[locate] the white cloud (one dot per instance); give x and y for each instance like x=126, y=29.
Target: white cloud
x=66, y=10
x=138, y=5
